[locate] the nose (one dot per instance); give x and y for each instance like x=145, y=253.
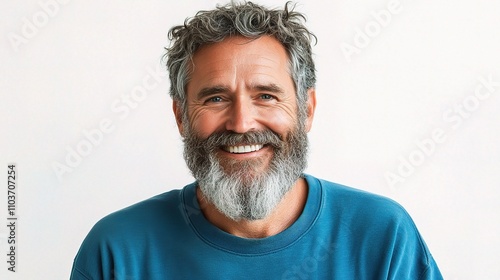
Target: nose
x=241, y=116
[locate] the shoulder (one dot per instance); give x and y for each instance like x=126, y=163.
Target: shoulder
x=113, y=238
x=156, y=216
x=360, y=209
x=378, y=227
x=338, y=195
x=162, y=208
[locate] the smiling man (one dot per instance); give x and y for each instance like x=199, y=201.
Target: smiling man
x=240, y=123
x=242, y=83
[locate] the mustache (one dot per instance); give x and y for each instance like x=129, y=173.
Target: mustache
x=227, y=138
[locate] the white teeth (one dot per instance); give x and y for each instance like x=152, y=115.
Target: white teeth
x=243, y=149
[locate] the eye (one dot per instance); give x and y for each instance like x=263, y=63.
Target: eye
x=215, y=99
x=266, y=96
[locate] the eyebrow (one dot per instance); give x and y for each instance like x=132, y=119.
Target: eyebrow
x=204, y=92
x=208, y=91
x=272, y=87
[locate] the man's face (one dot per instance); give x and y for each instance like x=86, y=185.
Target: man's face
x=242, y=120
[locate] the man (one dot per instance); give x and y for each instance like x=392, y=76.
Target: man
x=242, y=83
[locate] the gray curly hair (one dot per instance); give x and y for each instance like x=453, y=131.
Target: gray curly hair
x=249, y=20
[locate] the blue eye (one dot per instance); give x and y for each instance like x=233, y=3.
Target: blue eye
x=266, y=96
x=215, y=99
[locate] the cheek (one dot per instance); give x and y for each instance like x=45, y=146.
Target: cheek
x=204, y=124
x=279, y=120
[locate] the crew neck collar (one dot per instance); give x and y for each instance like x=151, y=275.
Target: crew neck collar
x=222, y=240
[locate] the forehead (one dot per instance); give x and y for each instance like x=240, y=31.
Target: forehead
x=235, y=46
x=237, y=59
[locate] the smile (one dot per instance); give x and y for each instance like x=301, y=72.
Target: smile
x=243, y=149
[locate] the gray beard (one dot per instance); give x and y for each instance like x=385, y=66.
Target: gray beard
x=239, y=191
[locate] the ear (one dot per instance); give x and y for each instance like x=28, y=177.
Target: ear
x=177, y=108
x=311, y=106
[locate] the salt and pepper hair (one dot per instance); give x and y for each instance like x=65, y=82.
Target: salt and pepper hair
x=242, y=19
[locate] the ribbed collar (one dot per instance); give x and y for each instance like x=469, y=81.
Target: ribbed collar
x=222, y=240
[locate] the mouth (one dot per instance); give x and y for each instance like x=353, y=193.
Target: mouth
x=241, y=149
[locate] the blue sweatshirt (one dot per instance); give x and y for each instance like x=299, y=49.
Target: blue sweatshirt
x=342, y=233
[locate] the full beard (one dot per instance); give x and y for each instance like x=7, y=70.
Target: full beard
x=240, y=189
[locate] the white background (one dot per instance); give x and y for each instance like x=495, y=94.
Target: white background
x=66, y=74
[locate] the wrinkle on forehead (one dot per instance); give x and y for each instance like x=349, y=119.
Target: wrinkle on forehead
x=227, y=62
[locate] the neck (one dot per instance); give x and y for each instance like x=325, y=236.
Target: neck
x=283, y=216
